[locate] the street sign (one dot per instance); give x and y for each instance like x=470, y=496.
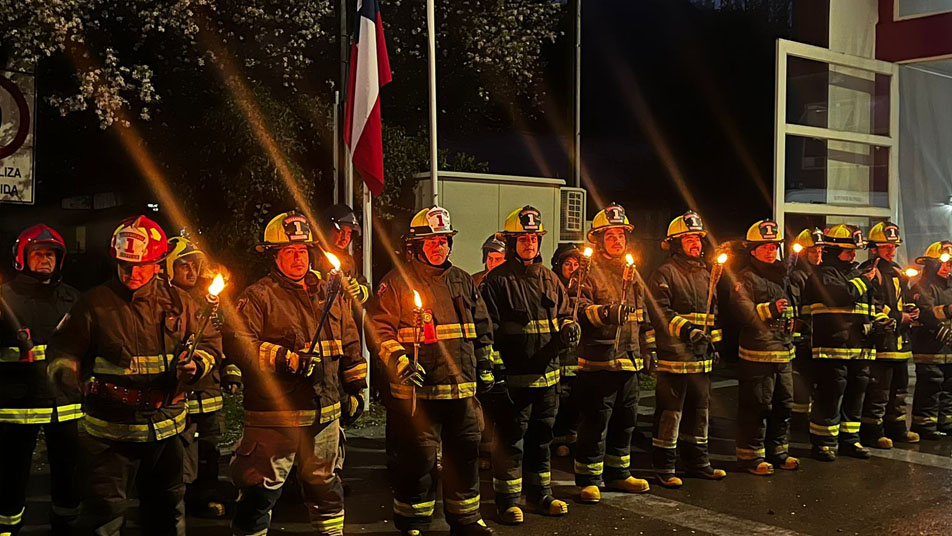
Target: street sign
x=17, y=100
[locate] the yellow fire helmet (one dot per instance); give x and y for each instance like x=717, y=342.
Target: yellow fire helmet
x=809, y=238
x=938, y=251
x=286, y=228
x=430, y=222
x=609, y=217
x=179, y=248
x=764, y=232
x=884, y=232
x=844, y=236
x=524, y=220
x=686, y=224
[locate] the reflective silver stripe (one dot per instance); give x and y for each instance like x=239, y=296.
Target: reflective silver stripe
x=26, y=415
x=69, y=412
x=138, y=433
x=534, y=380
x=139, y=365
x=205, y=405
x=11, y=354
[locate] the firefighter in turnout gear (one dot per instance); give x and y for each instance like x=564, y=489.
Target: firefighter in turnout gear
x=438, y=351
x=185, y=268
x=565, y=262
x=686, y=330
x=532, y=323
x=31, y=306
x=293, y=364
x=932, y=344
x=884, y=408
x=842, y=314
x=494, y=254
x=613, y=349
x=126, y=344
x=764, y=311
x=810, y=244
x=341, y=227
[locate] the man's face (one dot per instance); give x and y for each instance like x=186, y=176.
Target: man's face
x=135, y=276
x=569, y=266
x=527, y=246
x=814, y=255
x=765, y=253
x=944, y=269
x=494, y=259
x=886, y=252
x=615, y=241
x=847, y=255
x=342, y=237
x=185, y=271
x=691, y=245
x=41, y=259
x=437, y=249
x=293, y=261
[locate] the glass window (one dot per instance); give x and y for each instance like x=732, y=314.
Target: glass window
x=836, y=173
x=835, y=97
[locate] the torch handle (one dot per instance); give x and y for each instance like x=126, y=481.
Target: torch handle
x=416, y=358
x=715, y=277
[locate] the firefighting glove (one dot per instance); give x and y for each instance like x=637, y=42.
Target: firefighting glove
x=306, y=363
x=884, y=324
x=615, y=314
x=486, y=381
x=570, y=333
x=697, y=336
x=944, y=335
x=355, y=289
x=353, y=409
x=408, y=373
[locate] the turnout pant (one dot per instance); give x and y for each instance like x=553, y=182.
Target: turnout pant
x=838, y=406
x=682, y=404
x=521, y=450
x=932, y=401
x=109, y=467
x=608, y=403
x=884, y=410
x=568, y=418
x=765, y=399
x=803, y=381
x=202, y=457
x=456, y=424
x=17, y=443
x=263, y=459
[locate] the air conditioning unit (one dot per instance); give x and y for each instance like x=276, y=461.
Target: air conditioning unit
x=572, y=215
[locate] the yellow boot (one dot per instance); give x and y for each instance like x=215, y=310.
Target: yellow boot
x=590, y=495
x=789, y=464
x=551, y=506
x=761, y=469
x=511, y=516
x=669, y=480
x=884, y=443
x=629, y=485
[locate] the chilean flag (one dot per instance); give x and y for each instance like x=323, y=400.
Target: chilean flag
x=369, y=71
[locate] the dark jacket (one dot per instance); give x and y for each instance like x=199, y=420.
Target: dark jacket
x=207, y=395
x=841, y=309
x=25, y=395
x=933, y=295
x=890, y=293
x=679, y=290
x=130, y=341
x=798, y=282
x=275, y=322
x=766, y=334
x=527, y=306
x=461, y=340
x=602, y=287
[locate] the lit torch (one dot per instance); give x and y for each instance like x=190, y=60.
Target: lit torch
x=912, y=272
x=330, y=296
x=626, y=278
x=582, y=273
x=417, y=325
x=716, y=273
x=191, y=341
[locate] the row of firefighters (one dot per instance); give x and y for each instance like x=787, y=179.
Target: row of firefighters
x=127, y=379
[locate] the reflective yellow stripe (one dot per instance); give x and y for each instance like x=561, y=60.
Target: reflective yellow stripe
x=871, y=420
x=282, y=418
x=462, y=506
x=593, y=469
x=717, y=335
x=436, y=392
x=849, y=427
x=750, y=454
x=488, y=353
x=507, y=486
x=329, y=413
x=389, y=349
x=591, y=313
x=208, y=361
x=13, y=520
x=638, y=315
x=932, y=359
x=268, y=355
x=860, y=284
x=618, y=462
x=11, y=354
x=664, y=443
x=444, y=332
x=205, y=405
x=685, y=367
x=135, y=432
x=232, y=370
x=569, y=371
x=700, y=319
x=329, y=348
x=822, y=352
x=538, y=479
x=534, y=380
x=767, y=356
x=919, y=420
x=534, y=327
x=676, y=325
x=356, y=373
x=763, y=311
x=650, y=336
x=802, y=408
x=697, y=440
x=893, y=355
x=826, y=431
x=69, y=412
x=494, y=356
x=330, y=524
x=780, y=449
x=138, y=366
x=26, y=415
x=620, y=364
x=856, y=309
x=424, y=509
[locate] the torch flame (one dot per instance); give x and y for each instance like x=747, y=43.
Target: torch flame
x=797, y=248
x=588, y=252
x=722, y=258
x=629, y=259
x=334, y=260
x=911, y=272
x=218, y=285
x=945, y=257
x=416, y=300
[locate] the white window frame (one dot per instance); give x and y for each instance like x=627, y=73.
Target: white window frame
x=782, y=128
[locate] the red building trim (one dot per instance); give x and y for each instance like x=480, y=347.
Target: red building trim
x=912, y=39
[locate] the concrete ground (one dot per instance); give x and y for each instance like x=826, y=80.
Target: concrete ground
x=904, y=491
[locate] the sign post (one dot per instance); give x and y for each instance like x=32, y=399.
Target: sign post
x=17, y=104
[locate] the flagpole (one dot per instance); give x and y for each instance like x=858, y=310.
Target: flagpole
x=431, y=35
x=367, y=261
x=337, y=138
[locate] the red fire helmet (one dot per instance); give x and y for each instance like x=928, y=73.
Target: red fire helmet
x=139, y=240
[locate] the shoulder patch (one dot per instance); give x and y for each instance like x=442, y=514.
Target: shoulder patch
x=383, y=288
